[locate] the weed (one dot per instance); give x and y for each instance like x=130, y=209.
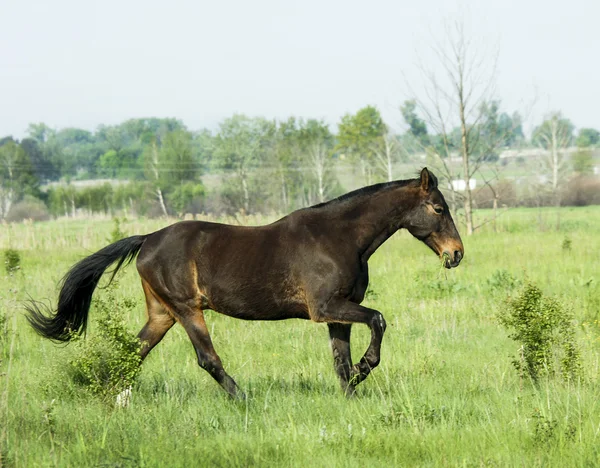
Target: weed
x=116, y=234
x=567, y=243
x=546, y=334
x=371, y=294
x=3, y=335
x=12, y=260
x=502, y=280
x=544, y=429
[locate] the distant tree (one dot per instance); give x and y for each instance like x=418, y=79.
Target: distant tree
x=109, y=164
x=555, y=134
x=511, y=129
x=241, y=145
x=317, y=143
x=62, y=200
x=417, y=126
x=583, y=162
x=39, y=132
x=588, y=137
x=179, y=161
x=43, y=167
x=169, y=166
x=286, y=156
x=494, y=132
x=17, y=176
x=357, y=137
x=387, y=150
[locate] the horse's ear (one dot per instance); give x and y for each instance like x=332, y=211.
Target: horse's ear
x=428, y=180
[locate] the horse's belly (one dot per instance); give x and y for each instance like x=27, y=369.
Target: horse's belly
x=256, y=306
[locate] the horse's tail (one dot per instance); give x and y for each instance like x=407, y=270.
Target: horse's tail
x=77, y=288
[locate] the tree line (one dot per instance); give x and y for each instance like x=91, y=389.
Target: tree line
x=261, y=164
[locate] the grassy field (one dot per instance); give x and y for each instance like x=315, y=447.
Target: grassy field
x=445, y=393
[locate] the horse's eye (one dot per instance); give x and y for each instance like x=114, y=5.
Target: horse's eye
x=438, y=209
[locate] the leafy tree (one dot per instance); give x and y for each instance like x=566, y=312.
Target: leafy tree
x=241, y=145
x=43, y=167
x=583, y=162
x=39, y=132
x=587, y=137
x=417, y=126
x=169, y=165
x=317, y=144
x=358, y=135
x=17, y=176
x=109, y=163
x=62, y=200
x=183, y=196
x=554, y=130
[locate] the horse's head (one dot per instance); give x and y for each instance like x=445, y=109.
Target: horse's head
x=430, y=221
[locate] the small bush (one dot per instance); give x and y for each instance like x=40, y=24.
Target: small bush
x=567, y=244
x=502, y=280
x=12, y=260
x=109, y=362
x=546, y=334
x=29, y=208
x=116, y=234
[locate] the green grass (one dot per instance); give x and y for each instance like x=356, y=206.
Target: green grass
x=445, y=393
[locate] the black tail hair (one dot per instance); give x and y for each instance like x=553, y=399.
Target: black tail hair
x=78, y=285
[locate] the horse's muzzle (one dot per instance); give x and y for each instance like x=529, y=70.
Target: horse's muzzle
x=452, y=259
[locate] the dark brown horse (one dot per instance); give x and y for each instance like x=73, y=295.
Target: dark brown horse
x=311, y=264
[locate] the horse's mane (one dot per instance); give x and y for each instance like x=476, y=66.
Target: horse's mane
x=369, y=190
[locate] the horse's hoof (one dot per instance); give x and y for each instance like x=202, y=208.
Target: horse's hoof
x=238, y=395
x=350, y=391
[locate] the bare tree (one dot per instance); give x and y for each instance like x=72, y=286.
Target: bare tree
x=554, y=135
x=387, y=151
x=453, y=99
x=153, y=173
x=317, y=141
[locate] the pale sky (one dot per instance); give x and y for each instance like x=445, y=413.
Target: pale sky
x=72, y=63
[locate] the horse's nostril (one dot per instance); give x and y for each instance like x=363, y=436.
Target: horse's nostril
x=457, y=256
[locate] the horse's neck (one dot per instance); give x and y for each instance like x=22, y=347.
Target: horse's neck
x=370, y=219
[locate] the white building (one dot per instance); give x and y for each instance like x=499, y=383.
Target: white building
x=460, y=185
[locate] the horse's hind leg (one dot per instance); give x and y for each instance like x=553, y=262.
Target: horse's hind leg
x=339, y=334
x=159, y=322
x=208, y=359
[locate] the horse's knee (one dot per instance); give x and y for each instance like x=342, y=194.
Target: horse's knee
x=379, y=322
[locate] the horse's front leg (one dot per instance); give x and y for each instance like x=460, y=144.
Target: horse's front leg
x=343, y=311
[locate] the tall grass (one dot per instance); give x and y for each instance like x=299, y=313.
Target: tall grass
x=446, y=392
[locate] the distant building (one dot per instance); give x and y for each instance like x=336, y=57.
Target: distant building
x=460, y=185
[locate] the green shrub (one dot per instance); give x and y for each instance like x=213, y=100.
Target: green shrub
x=116, y=234
x=108, y=362
x=12, y=260
x=3, y=335
x=29, y=208
x=567, y=243
x=546, y=334
x=502, y=280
